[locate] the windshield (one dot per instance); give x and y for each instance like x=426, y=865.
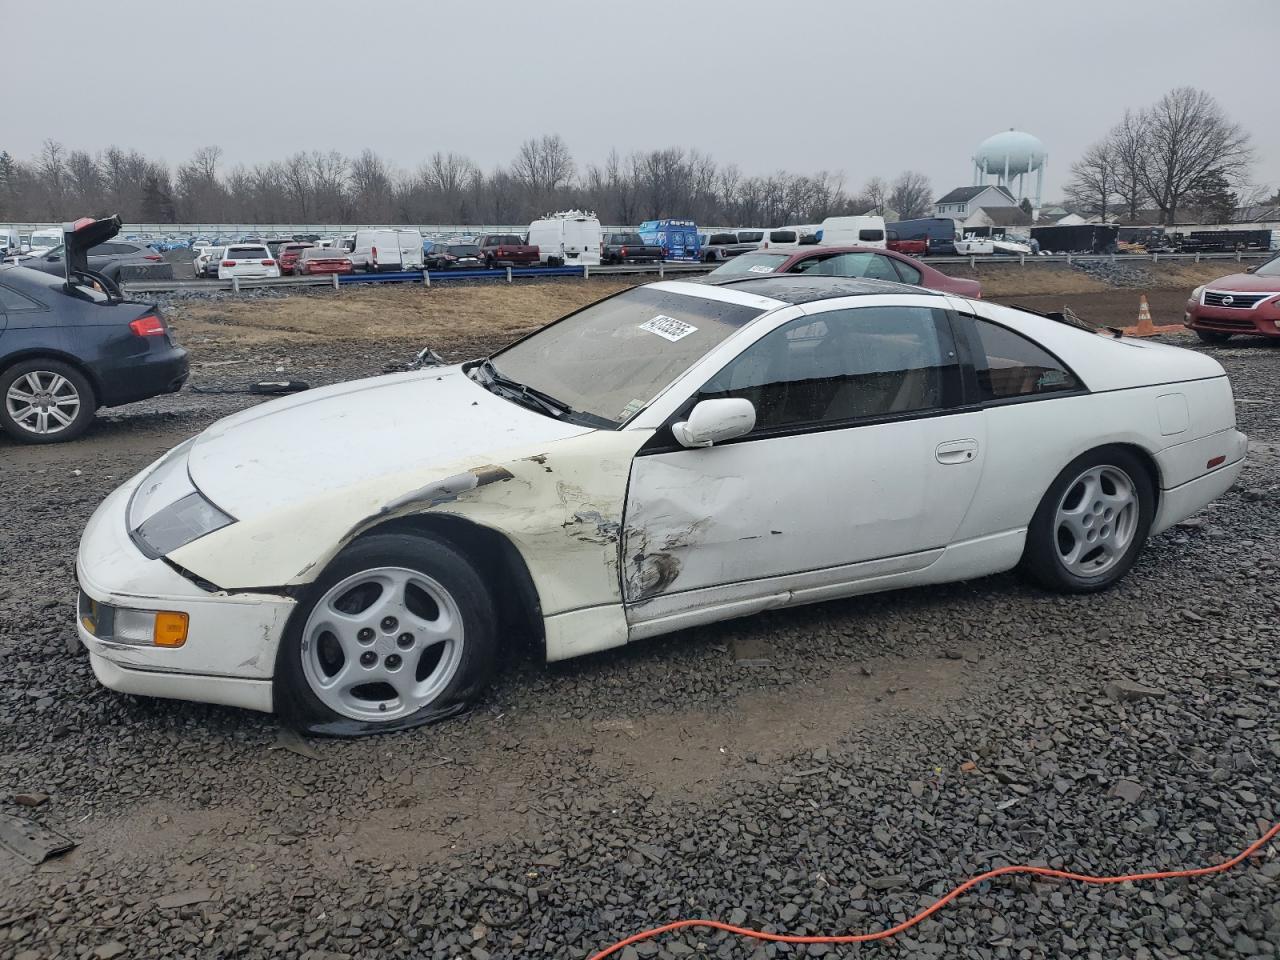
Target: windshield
x=612, y=358
x=1269, y=269
x=746, y=264
x=247, y=253
x=626, y=239
x=464, y=249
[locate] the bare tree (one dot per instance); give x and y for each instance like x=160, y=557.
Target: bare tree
x=874, y=196
x=543, y=165
x=1093, y=179
x=1129, y=148
x=1187, y=136
x=911, y=196
x=371, y=188
x=329, y=185
x=296, y=173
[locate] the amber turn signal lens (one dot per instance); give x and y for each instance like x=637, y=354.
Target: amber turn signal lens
x=171, y=629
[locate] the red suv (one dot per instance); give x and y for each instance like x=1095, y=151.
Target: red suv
x=823, y=261
x=1247, y=303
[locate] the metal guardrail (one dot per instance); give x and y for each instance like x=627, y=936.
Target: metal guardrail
x=427, y=278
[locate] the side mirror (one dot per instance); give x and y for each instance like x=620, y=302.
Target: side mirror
x=1251, y=269
x=715, y=421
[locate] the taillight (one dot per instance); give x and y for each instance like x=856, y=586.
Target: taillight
x=152, y=256
x=268, y=263
x=622, y=252
x=148, y=326
x=228, y=263
x=374, y=252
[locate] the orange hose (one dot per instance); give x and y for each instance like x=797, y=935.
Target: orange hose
x=928, y=911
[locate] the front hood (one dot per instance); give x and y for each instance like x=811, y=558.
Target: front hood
x=287, y=451
x=1245, y=283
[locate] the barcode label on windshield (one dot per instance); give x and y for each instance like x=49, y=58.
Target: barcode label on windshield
x=668, y=328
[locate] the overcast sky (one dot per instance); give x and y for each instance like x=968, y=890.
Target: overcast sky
x=860, y=87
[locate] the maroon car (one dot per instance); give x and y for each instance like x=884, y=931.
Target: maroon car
x=315, y=260
x=287, y=256
x=1247, y=303
x=844, y=262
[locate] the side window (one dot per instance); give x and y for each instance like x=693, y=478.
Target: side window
x=870, y=236
x=1010, y=365
x=905, y=270
x=11, y=301
x=881, y=268
x=844, y=365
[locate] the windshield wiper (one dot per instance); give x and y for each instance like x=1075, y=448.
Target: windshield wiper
x=531, y=396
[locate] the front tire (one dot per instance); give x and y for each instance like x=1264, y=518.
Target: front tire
x=1212, y=336
x=398, y=631
x=1092, y=522
x=45, y=401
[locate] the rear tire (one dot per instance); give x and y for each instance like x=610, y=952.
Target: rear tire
x=427, y=650
x=62, y=392
x=1212, y=336
x=1091, y=523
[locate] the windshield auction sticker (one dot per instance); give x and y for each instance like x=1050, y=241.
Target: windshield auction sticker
x=668, y=328
x=760, y=268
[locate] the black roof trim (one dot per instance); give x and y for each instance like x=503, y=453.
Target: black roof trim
x=799, y=288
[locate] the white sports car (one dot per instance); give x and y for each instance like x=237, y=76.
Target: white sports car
x=357, y=557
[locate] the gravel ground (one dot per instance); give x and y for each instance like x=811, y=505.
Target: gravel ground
x=830, y=768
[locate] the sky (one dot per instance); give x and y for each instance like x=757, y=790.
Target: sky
x=865, y=88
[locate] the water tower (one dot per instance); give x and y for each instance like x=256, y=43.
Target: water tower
x=1010, y=156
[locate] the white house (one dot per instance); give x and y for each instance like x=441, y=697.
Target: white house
x=963, y=202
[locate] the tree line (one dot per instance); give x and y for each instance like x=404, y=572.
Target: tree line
x=1182, y=156
x=447, y=187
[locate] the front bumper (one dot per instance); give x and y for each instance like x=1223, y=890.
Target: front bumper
x=230, y=652
x=1262, y=320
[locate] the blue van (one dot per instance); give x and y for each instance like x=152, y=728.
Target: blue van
x=677, y=238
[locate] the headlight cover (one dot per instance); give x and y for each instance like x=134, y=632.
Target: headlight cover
x=176, y=525
x=167, y=511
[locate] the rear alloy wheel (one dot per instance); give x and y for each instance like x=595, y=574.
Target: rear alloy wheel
x=401, y=631
x=1092, y=522
x=45, y=401
x=1212, y=336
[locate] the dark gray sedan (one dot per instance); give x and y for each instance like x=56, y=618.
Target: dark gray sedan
x=72, y=344
x=118, y=260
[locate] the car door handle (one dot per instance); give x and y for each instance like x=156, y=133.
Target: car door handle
x=956, y=451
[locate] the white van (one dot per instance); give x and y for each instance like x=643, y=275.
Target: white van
x=10, y=241
x=570, y=237
x=387, y=249
x=863, y=231
x=790, y=237
x=42, y=241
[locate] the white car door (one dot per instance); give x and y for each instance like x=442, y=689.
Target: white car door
x=862, y=464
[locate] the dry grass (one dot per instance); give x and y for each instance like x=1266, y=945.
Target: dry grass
x=493, y=313
x=471, y=311
x=1055, y=279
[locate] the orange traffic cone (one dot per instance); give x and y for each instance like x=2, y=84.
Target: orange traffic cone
x=1144, y=327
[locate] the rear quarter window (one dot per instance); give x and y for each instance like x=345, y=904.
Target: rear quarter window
x=11, y=301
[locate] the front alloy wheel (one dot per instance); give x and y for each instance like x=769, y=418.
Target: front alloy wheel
x=382, y=644
x=399, y=630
